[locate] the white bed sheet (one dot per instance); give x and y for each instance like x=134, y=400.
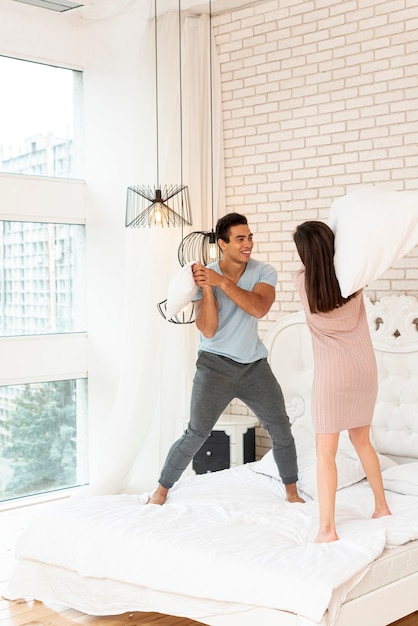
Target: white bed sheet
x=228, y=537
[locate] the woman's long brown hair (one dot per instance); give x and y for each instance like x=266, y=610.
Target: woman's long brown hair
x=315, y=244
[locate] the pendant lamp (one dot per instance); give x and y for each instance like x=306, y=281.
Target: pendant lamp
x=161, y=205
x=199, y=246
x=202, y=245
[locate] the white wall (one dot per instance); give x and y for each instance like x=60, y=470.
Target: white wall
x=40, y=35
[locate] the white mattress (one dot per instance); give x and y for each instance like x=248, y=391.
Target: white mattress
x=393, y=565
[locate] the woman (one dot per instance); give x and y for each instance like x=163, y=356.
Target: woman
x=345, y=372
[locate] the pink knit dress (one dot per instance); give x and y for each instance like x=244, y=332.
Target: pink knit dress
x=345, y=373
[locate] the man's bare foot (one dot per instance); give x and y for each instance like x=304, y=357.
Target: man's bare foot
x=292, y=493
x=381, y=512
x=326, y=537
x=159, y=496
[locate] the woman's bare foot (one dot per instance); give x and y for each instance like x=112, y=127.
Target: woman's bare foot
x=326, y=537
x=381, y=512
x=292, y=493
x=159, y=496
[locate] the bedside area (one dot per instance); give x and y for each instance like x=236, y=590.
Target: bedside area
x=231, y=443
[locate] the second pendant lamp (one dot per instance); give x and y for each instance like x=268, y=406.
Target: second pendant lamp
x=202, y=245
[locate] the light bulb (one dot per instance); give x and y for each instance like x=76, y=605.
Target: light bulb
x=212, y=251
x=158, y=210
x=213, y=246
x=157, y=214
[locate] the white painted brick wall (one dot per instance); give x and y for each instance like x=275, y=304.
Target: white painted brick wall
x=318, y=97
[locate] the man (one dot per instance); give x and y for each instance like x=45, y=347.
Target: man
x=232, y=362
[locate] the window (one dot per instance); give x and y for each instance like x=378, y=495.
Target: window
x=43, y=437
x=42, y=271
x=43, y=340
x=43, y=424
x=40, y=119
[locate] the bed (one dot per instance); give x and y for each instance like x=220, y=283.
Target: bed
x=226, y=548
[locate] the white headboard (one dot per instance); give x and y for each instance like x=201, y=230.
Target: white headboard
x=393, y=323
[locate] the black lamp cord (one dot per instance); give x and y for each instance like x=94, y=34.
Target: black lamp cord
x=181, y=119
x=156, y=90
x=211, y=109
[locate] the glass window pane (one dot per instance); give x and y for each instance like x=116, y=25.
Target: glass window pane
x=40, y=119
x=42, y=278
x=43, y=437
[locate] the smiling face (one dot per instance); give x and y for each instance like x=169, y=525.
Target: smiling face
x=240, y=244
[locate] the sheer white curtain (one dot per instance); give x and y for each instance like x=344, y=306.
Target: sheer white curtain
x=152, y=401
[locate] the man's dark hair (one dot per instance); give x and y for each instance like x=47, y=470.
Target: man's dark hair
x=224, y=224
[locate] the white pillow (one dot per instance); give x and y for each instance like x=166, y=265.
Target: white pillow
x=374, y=227
x=350, y=470
x=181, y=290
x=346, y=446
x=402, y=478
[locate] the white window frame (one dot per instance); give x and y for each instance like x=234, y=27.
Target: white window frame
x=42, y=358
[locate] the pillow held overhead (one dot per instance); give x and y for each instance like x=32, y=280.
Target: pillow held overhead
x=181, y=290
x=374, y=227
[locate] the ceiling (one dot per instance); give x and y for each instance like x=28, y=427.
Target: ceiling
x=195, y=6
x=218, y=6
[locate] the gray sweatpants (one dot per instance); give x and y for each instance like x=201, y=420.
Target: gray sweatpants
x=217, y=381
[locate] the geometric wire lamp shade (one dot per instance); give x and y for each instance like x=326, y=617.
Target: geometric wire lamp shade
x=199, y=246
x=153, y=206
x=185, y=316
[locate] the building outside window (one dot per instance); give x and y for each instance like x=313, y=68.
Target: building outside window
x=42, y=273
x=41, y=119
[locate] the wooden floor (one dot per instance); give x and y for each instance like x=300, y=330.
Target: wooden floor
x=20, y=613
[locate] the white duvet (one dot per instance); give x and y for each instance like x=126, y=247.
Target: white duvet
x=228, y=536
